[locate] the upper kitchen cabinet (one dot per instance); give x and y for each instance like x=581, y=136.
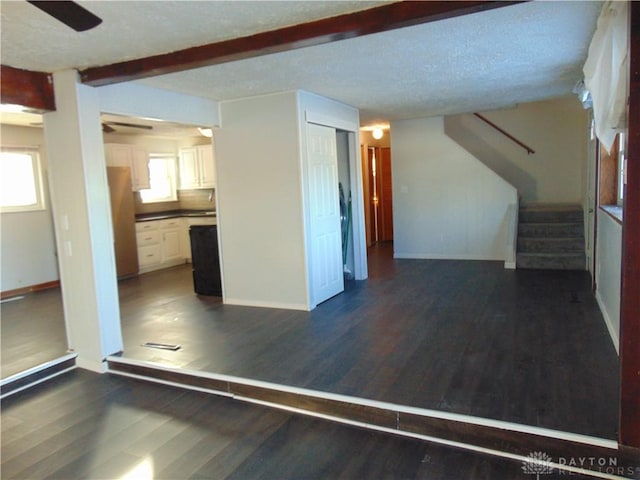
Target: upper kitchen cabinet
x=197, y=167
x=132, y=156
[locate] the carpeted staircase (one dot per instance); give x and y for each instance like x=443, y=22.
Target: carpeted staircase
x=551, y=237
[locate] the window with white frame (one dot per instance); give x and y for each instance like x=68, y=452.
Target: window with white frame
x=21, y=180
x=162, y=178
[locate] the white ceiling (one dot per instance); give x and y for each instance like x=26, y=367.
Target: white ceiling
x=495, y=59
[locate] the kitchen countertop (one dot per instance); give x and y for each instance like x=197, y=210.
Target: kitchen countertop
x=146, y=217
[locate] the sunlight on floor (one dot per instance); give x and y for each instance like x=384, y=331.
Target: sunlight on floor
x=143, y=470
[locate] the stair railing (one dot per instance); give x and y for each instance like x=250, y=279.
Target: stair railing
x=506, y=134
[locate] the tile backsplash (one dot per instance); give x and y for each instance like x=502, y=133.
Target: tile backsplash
x=202, y=199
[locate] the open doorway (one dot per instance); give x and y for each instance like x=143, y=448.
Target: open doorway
x=377, y=186
x=33, y=323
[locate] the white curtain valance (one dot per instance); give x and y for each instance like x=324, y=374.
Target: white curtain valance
x=605, y=72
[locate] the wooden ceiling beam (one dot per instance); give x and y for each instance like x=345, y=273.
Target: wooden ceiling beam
x=318, y=32
x=27, y=88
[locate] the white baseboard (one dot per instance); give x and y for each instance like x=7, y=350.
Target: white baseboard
x=607, y=321
x=446, y=256
x=258, y=303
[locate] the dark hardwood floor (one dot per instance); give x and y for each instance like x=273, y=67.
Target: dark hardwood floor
x=33, y=331
x=83, y=425
x=528, y=347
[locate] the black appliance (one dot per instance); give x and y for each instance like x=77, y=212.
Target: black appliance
x=206, y=259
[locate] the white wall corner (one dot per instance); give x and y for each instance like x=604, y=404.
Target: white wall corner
x=92, y=366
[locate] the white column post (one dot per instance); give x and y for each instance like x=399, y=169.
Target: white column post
x=82, y=218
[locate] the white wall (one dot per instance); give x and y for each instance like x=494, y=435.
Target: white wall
x=260, y=212
x=446, y=204
x=151, y=143
x=28, y=246
x=137, y=100
x=608, y=273
x=80, y=195
x=556, y=129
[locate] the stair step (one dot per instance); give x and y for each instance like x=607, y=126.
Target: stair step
x=551, y=261
x=555, y=230
x=550, y=214
x=550, y=245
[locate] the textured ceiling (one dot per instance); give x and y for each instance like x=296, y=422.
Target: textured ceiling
x=32, y=40
x=489, y=60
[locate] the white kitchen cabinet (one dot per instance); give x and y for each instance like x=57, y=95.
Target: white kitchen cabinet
x=197, y=167
x=149, y=258
x=206, y=162
x=132, y=156
x=172, y=231
x=160, y=243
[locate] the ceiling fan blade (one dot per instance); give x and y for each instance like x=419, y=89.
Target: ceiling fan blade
x=130, y=125
x=69, y=13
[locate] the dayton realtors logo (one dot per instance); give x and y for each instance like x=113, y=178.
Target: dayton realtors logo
x=537, y=463
x=540, y=463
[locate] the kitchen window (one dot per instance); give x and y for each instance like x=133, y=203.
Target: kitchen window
x=21, y=174
x=162, y=178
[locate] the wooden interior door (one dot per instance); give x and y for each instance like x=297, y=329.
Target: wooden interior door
x=385, y=198
x=378, y=194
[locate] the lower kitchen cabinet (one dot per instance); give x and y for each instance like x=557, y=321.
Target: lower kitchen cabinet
x=171, y=246
x=160, y=243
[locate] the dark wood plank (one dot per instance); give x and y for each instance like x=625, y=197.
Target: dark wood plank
x=66, y=442
x=630, y=299
x=481, y=436
x=38, y=376
x=29, y=89
x=33, y=331
x=462, y=337
x=182, y=434
x=181, y=378
x=341, y=409
x=364, y=22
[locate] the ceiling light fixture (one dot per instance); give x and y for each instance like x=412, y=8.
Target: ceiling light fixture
x=206, y=132
x=377, y=133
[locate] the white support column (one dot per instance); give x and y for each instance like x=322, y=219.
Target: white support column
x=82, y=217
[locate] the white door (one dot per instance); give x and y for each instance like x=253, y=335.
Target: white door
x=324, y=214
